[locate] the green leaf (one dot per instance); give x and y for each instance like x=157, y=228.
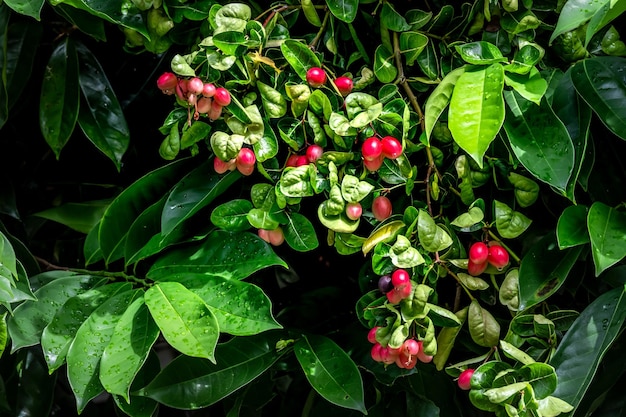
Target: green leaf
x=609, y=11
x=274, y=103
x=575, y=13
x=515, y=353
x=231, y=216
x=33, y=395
x=197, y=132
x=224, y=297
x=446, y=339
x=344, y=10
x=116, y=12
x=483, y=327
x=439, y=99
x=59, y=333
x=84, y=21
x=392, y=19
x=230, y=42
x=31, y=317
x=185, y=320
x=232, y=17
x=476, y=109
x=192, y=383
x=295, y=182
x=261, y=219
x=553, y=406
x=330, y=371
x=81, y=217
x=229, y=255
x=339, y=223
x=472, y=283
x=123, y=211
x=385, y=233
x=130, y=344
x=267, y=146
x=353, y=190
x=480, y=53
x=539, y=140
x=85, y=352
x=3, y=333
x=531, y=86
x=510, y=223
x=543, y=270
x=571, y=229
x=311, y=13
x=299, y=56
x=21, y=49
x=147, y=226
x=404, y=255
x=508, y=293
x=60, y=95
x=602, y=84
x=8, y=261
x=526, y=190
x=384, y=65
x=432, y=237
x=30, y=8
x=411, y=45
x=141, y=406
x=195, y=191
x=471, y=218
x=607, y=231
x=579, y=353
x=300, y=233
x=100, y=116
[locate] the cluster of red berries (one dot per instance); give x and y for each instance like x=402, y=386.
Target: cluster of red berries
x=396, y=287
x=316, y=77
x=482, y=254
x=374, y=151
x=204, y=97
x=274, y=237
x=405, y=357
x=244, y=162
x=312, y=154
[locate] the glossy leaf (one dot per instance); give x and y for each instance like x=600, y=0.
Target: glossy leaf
x=31, y=317
x=81, y=217
x=30, y=8
x=115, y=12
x=59, y=333
x=185, y=320
x=101, y=117
x=8, y=261
x=571, y=229
x=330, y=371
x=543, y=270
x=92, y=337
x=385, y=233
x=128, y=349
x=300, y=233
x=607, y=231
x=295, y=182
x=602, y=84
x=411, y=45
x=123, y=211
x=531, y=86
x=439, y=99
x=192, y=383
x=446, y=338
x=574, y=14
x=229, y=255
x=146, y=226
x=609, y=11
x=480, y=53
x=34, y=394
x=384, y=65
x=195, y=191
x=299, y=56
x=141, y=406
x=274, y=103
x=84, y=21
x=431, y=236
x=510, y=223
x=241, y=309
x=483, y=327
x=231, y=216
x=477, y=109
x=344, y=10
x=579, y=353
x=539, y=140
x=508, y=293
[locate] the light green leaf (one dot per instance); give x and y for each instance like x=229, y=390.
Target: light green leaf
x=274, y=103
x=510, y=223
x=432, y=237
x=483, y=327
x=439, y=99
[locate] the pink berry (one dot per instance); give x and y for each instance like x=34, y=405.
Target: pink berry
x=264, y=234
x=465, y=379
x=411, y=346
x=421, y=355
x=314, y=152
x=381, y=207
x=204, y=105
x=246, y=157
x=479, y=252
x=195, y=85
x=371, y=335
x=292, y=161
x=277, y=237
x=354, y=211
x=475, y=269
x=373, y=166
x=216, y=111
x=244, y=170
x=302, y=160
x=392, y=148
x=167, y=83
x=344, y=85
x=222, y=96
x=220, y=166
x=208, y=90
x=316, y=77
x=406, y=361
x=376, y=352
x=371, y=149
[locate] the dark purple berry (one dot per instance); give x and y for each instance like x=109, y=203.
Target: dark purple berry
x=384, y=284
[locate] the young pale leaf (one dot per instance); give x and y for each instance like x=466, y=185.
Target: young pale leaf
x=515, y=353
x=339, y=223
x=607, y=231
x=579, y=353
x=130, y=344
x=295, y=182
x=192, y=383
x=510, y=223
x=432, y=237
x=229, y=255
x=385, y=233
x=85, y=352
x=222, y=295
x=508, y=294
x=531, y=86
x=404, y=255
x=571, y=228
x=185, y=320
x=484, y=328
x=543, y=270
x=476, y=109
x=330, y=371
x=353, y=190
x=539, y=140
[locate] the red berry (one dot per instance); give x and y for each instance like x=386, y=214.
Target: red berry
x=195, y=85
x=371, y=149
x=421, y=355
x=371, y=335
x=405, y=290
x=167, y=83
x=381, y=207
x=292, y=161
x=276, y=236
x=475, y=269
x=392, y=148
x=204, y=105
x=302, y=160
x=354, y=211
x=389, y=355
x=411, y=346
x=344, y=85
x=245, y=170
x=314, y=152
x=222, y=96
x=478, y=252
x=394, y=296
x=376, y=352
x=400, y=278
x=220, y=166
x=316, y=77
x=498, y=256
x=216, y=111
x=465, y=379
x=208, y=90
x=374, y=165
x=264, y=234
x=246, y=157
x=406, y=361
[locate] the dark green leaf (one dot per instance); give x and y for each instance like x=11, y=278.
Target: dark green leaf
x=84, y=21
x=484, y=328
x=231, y=216
x=392, y=19
x=299, y=56
x=510, y=223
x=81, y=217
x=145, y=227
x=330, y=371
x=197, y=132
x=300, y=233
x=21, y=51
x=30, y=8
x=571, y=229
x=35, y=390
x=607, y=231
x=574, y=14
x=4, y=100
x=115, y=11
x=344, y=10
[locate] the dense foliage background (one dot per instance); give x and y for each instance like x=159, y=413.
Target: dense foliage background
x=134, y=279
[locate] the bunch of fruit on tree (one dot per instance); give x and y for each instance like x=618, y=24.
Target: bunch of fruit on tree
x=483, y=254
